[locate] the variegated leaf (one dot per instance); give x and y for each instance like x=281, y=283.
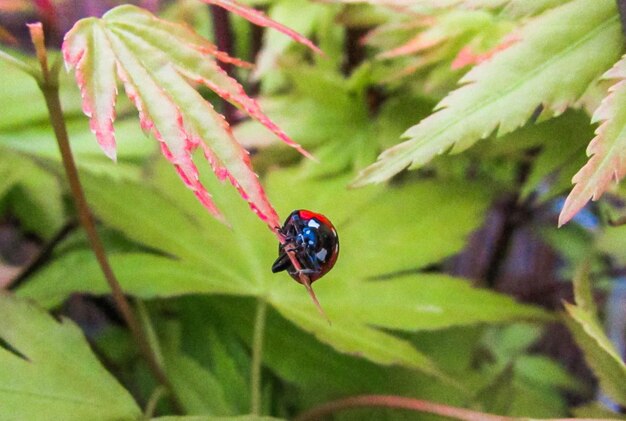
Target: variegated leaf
x=552, y=65
x=157, y=62
x=607, y=151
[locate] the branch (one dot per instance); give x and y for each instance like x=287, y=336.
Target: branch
x=50, y=88
x=399, y=402
x=257, y=356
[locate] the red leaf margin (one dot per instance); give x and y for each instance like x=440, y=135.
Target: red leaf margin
x=101, y=112
x=259, y=18
x=467, y=56
x=584, y=190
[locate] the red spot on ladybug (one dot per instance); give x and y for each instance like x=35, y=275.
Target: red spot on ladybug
x=313, y=240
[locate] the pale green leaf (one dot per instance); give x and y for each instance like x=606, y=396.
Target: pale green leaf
x=145, y=275
x=599, y=352
x=381, y=231
x=20, y=88
x=551, y=65
x=49, y=372
x=37, y=142
x=355, y=338
x=198, y=390
x=419, y=302
x=562, y=143
x=13, y=61
x=309, y=362
x=543, y=371
x=216, y=346
x=10, y=174
x=583, y=292
x=612, y=240
x=35, y=196
x=607, y=150
x=301, y=15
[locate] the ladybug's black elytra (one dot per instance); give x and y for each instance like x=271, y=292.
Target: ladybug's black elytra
x=313, y=239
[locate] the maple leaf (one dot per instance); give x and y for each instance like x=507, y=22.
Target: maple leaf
x=156, y=61
x=364, y=311
x=50, y=372
x=259, y=18
x=552, y=65
x=468, y=56
x=607, y=150
x=436, y=46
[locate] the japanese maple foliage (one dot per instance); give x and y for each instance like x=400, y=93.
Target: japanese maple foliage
x=158, y=62
x=540, y=63
x=606, y=150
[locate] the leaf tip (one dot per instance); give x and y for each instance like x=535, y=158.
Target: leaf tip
x=565, y=216
x=110, y=152
x=307, y=154
x=368, y=175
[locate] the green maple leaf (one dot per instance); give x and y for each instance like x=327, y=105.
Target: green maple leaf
x=597, y=348
x=48, y=371
x=381, y=231
x=552, y=65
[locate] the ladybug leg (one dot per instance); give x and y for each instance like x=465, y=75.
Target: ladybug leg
x=282, y=263
x=313, y=264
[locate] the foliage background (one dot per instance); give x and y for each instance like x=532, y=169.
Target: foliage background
x=451, y=280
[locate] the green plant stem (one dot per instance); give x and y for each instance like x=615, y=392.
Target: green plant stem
x=257, y=356
x=156, y=396
x=25, y=67
x=399, y=402
x=50, y=88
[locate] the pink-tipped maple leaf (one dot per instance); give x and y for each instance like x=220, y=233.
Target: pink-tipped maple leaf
x=607, y=150
x=467, y=56
x=419, y=43
x=157, y=63
x=259, y=18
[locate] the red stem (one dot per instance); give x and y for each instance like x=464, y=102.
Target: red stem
x=399, y=402
x=49, y=86
x=304, y=279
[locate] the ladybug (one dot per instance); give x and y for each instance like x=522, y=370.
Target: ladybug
x=314, y=241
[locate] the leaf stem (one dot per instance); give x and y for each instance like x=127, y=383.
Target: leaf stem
x=156, y=396
x=22, y=65
x=257, y=356
x=50, y=88
x=400, y=402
